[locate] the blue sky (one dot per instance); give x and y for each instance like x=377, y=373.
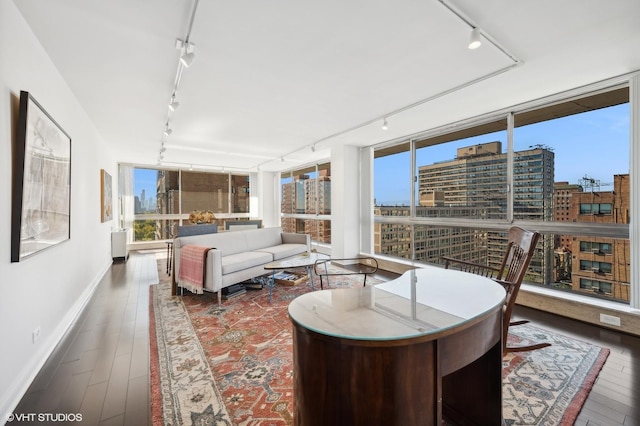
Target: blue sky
x=145, y=179
x=595, y=144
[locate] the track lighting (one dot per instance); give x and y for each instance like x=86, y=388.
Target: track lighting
x=168, y=131
x=474, y=40
x=313, y=148
x=163, y=149
x=173, y=105
x=188, y=56
x=384, y=125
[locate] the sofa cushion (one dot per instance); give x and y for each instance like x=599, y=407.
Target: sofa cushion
x=239, y=261
x=282, y=251
x=256, y=239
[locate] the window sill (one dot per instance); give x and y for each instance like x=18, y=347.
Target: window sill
x=581, y=308
x=578, y=298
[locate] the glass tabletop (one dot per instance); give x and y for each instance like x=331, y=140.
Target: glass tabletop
x=300, y=261
x=419, y=302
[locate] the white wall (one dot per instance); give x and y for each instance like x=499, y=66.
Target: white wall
x=345, y=202
x=48, y=289
x=268, y=195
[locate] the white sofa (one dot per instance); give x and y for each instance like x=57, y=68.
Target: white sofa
x=240, y=255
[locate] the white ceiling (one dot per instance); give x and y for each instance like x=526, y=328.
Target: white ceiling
x=271, y=78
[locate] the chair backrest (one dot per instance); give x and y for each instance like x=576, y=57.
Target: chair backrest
x=520, y=249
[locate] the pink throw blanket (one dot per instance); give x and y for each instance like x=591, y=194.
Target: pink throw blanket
x=192, y=267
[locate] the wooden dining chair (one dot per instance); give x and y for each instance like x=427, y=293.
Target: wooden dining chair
x=521, y=244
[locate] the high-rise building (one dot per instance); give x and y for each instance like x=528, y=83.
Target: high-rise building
x=562, y=196
x=305, y=195
x=474, y=185
x=143, y=200
x=602, y=265
x=563, y=192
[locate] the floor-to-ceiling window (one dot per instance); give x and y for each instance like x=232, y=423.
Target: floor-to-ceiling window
x=305, y=196
x=561, y=167
x=588, y=137
x=162, y=199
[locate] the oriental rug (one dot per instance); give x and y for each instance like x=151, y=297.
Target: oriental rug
x=233, y=365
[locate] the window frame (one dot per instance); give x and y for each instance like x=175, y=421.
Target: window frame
x=611, y=90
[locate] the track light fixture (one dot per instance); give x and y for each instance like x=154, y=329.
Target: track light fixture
x=474, y=40
x=188, y=55
x=384, y=125
x=173, y=105
x=313, y=148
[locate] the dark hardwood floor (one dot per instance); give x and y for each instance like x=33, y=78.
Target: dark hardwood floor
x=101, y=367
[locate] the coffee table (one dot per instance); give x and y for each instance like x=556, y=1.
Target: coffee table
x=306, y=261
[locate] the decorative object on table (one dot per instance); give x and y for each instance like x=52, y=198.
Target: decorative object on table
x=41, y=182
x=202, y=216
x=106, y=197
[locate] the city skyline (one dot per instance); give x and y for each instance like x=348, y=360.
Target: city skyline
x=145, y=180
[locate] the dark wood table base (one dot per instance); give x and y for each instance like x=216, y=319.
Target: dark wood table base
x=454, y=374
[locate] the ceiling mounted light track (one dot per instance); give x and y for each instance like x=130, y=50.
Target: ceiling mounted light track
x=187, y=57
x=384, y=125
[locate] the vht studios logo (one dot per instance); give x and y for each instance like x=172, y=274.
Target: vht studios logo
x=44, y=417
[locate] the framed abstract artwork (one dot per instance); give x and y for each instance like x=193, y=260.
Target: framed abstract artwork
x=106, y=197
x=41, y=182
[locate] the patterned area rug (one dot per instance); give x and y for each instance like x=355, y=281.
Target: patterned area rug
x=548, y=386
x=233, y=366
